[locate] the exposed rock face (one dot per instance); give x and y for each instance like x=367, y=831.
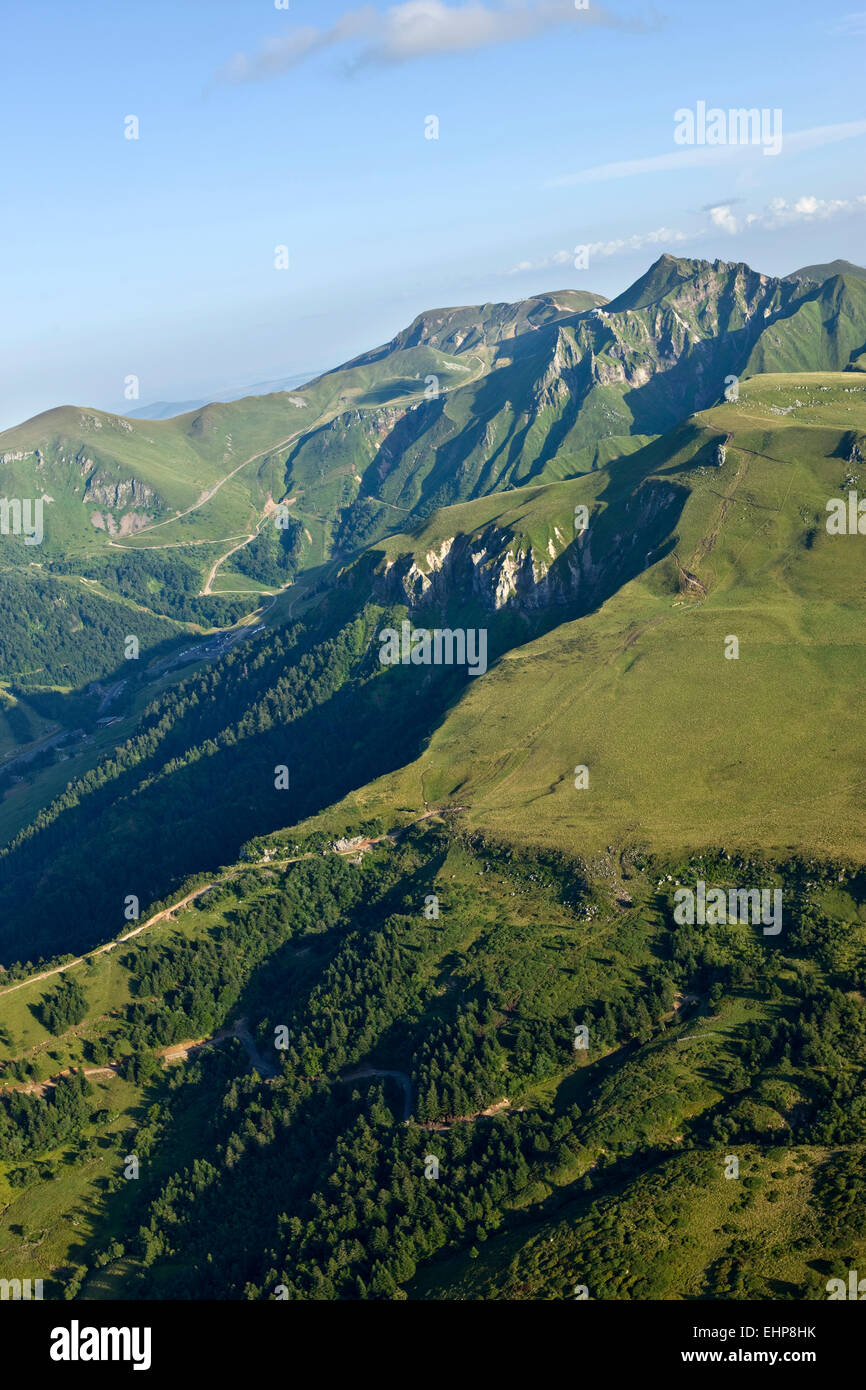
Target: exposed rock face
x=492, y=568
x=126, y=526
x=466, y=329
x=107, y=492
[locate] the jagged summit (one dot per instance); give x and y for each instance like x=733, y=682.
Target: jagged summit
x=463, y=402
x=462, y=328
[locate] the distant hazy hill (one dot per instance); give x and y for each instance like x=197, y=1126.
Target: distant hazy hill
x=164, y=410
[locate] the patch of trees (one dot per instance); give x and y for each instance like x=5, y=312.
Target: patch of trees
x=459, y=1067
x=273, y=557
x=57, y=633
x=839, y=1196
x=66, y=1007
x=203, y=761
x=165, y=581
x=320, y=1194
x=312, y=1183
x=32, y=1124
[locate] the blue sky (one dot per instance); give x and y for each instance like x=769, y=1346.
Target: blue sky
x=305, y=127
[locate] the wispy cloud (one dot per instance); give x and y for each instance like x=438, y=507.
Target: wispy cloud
x=662, y=236
x=426, y=28
x=728, y=202
x=779, y=212
x=545, y=263
x=280, y=55
x=696, y=156
x=851, y=24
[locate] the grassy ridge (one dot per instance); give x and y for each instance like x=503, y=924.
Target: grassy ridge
x=684, y=746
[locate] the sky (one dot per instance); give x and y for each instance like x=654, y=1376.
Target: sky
x=306, y=126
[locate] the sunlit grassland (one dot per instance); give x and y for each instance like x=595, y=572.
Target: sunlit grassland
x=685, y=747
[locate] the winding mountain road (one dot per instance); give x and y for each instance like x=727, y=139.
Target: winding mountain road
x=165, y=912
x=119, y=941
x=399, y=1076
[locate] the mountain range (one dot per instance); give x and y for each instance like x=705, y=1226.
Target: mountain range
x=224, y=815
x=463, y=403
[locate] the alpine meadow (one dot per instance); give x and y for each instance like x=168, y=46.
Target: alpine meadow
x=432, y=849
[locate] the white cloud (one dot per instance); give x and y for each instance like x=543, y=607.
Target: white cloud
x=424, y=28
x=546, y=262
x=637, y=242
x=781, y=213
x=595, y=249
x=698, y=156
x=280, y=55
x=419, y=28
x=722, y=216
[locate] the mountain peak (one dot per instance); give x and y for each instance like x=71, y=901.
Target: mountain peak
x=826, y=270
x=662, y=276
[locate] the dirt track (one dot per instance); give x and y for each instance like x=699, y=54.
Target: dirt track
x=215, y=883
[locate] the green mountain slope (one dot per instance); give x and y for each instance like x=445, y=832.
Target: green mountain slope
x=373, y=905
x=578, y=390
x=826, y=330
x=606, y=648
x=426, y=1126
x=464, y=403
x=684, y=746
x=826, y=271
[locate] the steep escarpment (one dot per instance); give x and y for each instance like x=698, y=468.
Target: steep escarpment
x=559, y=567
